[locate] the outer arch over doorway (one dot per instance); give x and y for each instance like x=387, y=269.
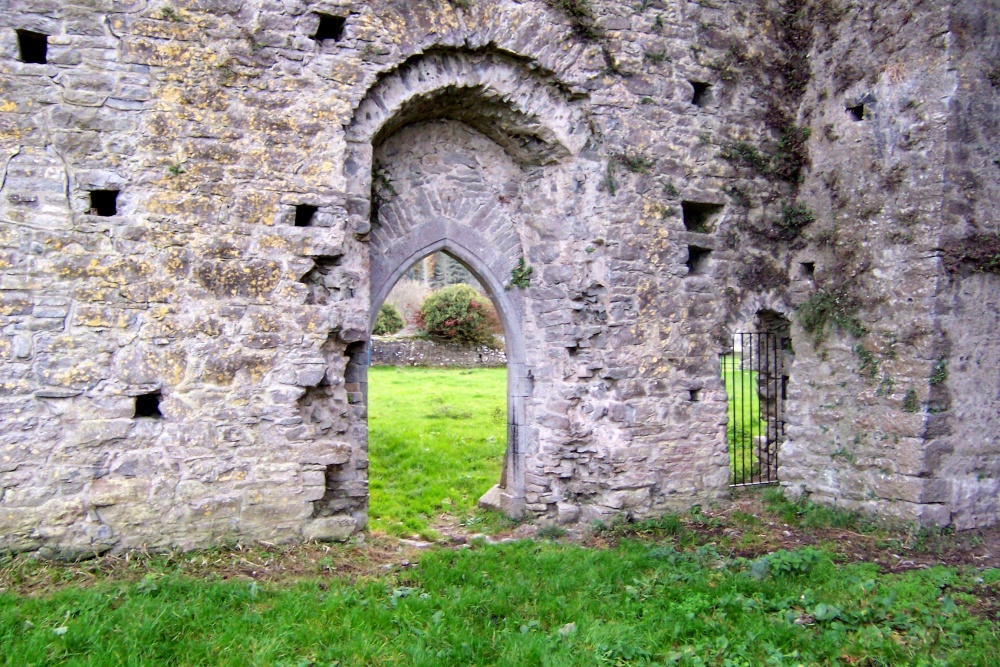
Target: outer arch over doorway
x=500, y=101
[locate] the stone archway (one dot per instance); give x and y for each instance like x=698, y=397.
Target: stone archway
x=438, y=152
x=442, y=185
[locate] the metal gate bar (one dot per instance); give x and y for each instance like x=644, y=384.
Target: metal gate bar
x=755, y=386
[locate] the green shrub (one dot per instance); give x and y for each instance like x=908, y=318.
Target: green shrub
x=388, y=321
x=460, y=314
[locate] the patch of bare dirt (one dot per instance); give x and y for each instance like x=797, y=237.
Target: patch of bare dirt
x=744, y=527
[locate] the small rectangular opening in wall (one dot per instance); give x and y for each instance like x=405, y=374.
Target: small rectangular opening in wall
x=697, y=262
x=104, y=202
x=807, y=269
x=148, y=405
x=857, y=112
x=33, y=46
x=700, y=216
x=702, y=93
x=694, y=395
x=330, y=27
x=304, y=215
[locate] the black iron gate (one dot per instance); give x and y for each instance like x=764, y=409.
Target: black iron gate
x=756, y=385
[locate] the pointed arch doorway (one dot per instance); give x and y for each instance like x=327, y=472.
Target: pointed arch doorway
x=508, y=494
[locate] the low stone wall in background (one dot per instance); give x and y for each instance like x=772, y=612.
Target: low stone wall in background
x=387, y=351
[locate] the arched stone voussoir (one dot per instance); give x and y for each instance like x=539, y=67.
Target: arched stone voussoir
x=523, y=111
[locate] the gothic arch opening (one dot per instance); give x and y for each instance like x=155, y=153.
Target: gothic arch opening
x=508, y=492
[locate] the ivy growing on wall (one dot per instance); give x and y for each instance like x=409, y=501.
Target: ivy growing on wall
x=834, y=306
x=520, y=275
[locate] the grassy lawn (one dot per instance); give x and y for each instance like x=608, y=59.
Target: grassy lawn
x=669, y=591
x=437, y=438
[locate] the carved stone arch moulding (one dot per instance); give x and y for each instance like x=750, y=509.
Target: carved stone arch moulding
x=497, y=111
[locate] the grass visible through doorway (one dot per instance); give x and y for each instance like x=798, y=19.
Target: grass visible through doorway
x=744, y=417
x=436, y=441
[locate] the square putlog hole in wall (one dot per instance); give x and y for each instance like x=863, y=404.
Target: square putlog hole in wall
x=700, y=216
x=104, y=202
x=807, y=270
x=33, y=46
x=305, y=214
x=330, y=28
x=694, y=395
x=697, y=262
x=148, y=406
x=857, y=112
x=702, y=93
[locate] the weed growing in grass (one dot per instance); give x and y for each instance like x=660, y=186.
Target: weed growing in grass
x=449, y=412
x=551, y=531
x=813, y=515
x=784, y=563
x=499, y=415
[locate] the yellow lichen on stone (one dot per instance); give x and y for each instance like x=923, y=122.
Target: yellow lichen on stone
x=104, y=317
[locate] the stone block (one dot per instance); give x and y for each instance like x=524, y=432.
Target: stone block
x=330, y=529
x=112, y=491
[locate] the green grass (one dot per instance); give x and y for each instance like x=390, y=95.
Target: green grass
x=436, y=438
x=744, y=423
x=524, y=603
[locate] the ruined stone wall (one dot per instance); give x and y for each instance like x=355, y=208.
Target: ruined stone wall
x=185, y=364
x=965, y=387
x=213, y=289
x=966, y=445
x=877, y=419
x=875, y=184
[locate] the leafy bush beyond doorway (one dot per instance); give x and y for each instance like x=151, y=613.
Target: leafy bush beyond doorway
x=460, y=314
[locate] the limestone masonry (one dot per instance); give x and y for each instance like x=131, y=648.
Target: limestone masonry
x=393, y=351
x=204, y=202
